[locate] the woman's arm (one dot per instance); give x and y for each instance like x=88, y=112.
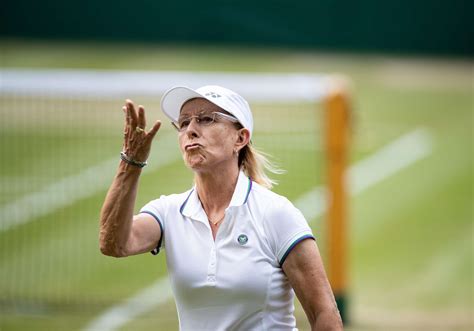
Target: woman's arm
x=121, y=233
x=305, y=271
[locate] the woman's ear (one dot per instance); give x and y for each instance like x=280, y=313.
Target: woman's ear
x=243, y=138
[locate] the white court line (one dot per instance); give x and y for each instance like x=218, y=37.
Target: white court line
x=395, y=156
x=391, y=158
x=140, y=303
x=387, y=161
x=69, y=190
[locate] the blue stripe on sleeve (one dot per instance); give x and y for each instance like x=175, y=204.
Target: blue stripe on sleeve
x=296, y=242
x=156, y=250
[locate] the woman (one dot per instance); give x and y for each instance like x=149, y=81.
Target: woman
x=235, y=250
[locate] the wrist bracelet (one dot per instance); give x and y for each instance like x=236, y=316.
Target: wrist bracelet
x=130, y=161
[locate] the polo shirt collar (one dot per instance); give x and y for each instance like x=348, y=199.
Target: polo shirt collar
x=191, y=206
x=242, y=191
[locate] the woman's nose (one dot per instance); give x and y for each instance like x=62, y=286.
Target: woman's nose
x=192, y=129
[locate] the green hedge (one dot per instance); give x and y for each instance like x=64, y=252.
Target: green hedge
x=422, y=26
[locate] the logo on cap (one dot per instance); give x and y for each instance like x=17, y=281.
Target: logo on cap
x=242, y=239
x=212, y=94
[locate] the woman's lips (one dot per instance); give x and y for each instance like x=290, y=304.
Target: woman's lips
x=192, y=146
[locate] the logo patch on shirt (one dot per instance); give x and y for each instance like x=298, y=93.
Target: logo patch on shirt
x=242, y=239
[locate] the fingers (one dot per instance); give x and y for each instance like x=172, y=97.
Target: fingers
x=136, y=118
x=132, y=113
x=151, y=134
x=137, y=142
x=126, y=128
x=124, y=109
x=141, y=117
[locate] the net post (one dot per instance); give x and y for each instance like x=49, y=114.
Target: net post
x=337, y=115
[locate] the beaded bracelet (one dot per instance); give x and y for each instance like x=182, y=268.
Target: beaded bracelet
x=130, y=161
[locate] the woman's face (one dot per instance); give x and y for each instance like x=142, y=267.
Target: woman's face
x=209, y=147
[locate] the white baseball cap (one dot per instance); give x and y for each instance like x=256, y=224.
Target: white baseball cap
x=174, y=99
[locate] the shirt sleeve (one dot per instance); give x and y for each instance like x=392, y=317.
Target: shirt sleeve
x=156, y=208
x=286, y=227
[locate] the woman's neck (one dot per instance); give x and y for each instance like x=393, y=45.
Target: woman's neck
x=215, y=189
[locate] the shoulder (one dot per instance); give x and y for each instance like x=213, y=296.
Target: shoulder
x=283, y=223
x=273, y=210
x=270, y=201
x=170, y=201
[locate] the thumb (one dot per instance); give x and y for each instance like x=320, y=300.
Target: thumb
x=154, y=129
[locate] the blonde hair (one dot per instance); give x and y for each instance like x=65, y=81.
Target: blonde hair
x=255, y=164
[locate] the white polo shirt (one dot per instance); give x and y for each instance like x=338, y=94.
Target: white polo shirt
x=235, y=282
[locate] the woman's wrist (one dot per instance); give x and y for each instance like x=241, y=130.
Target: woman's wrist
x=129, y=160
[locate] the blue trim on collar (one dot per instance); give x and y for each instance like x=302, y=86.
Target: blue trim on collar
x=296, y=242
x=248, y=191
x=237, y=194
x=185, y=202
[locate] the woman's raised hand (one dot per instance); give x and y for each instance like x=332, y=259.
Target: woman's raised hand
x=137, y=141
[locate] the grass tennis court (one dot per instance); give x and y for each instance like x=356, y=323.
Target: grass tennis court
x=411, y=234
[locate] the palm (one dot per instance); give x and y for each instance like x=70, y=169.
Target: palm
x=137, y=141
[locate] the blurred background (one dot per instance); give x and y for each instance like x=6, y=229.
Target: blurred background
x=67, y=67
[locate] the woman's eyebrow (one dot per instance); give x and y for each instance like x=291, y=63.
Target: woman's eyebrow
x=201, y=112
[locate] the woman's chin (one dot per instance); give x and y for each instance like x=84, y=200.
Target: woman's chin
x=195, y=162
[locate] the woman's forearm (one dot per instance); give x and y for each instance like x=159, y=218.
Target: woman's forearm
x=328, y=320
x=117, y=211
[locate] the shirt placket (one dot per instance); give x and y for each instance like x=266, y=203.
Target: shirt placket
x=211, y=269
